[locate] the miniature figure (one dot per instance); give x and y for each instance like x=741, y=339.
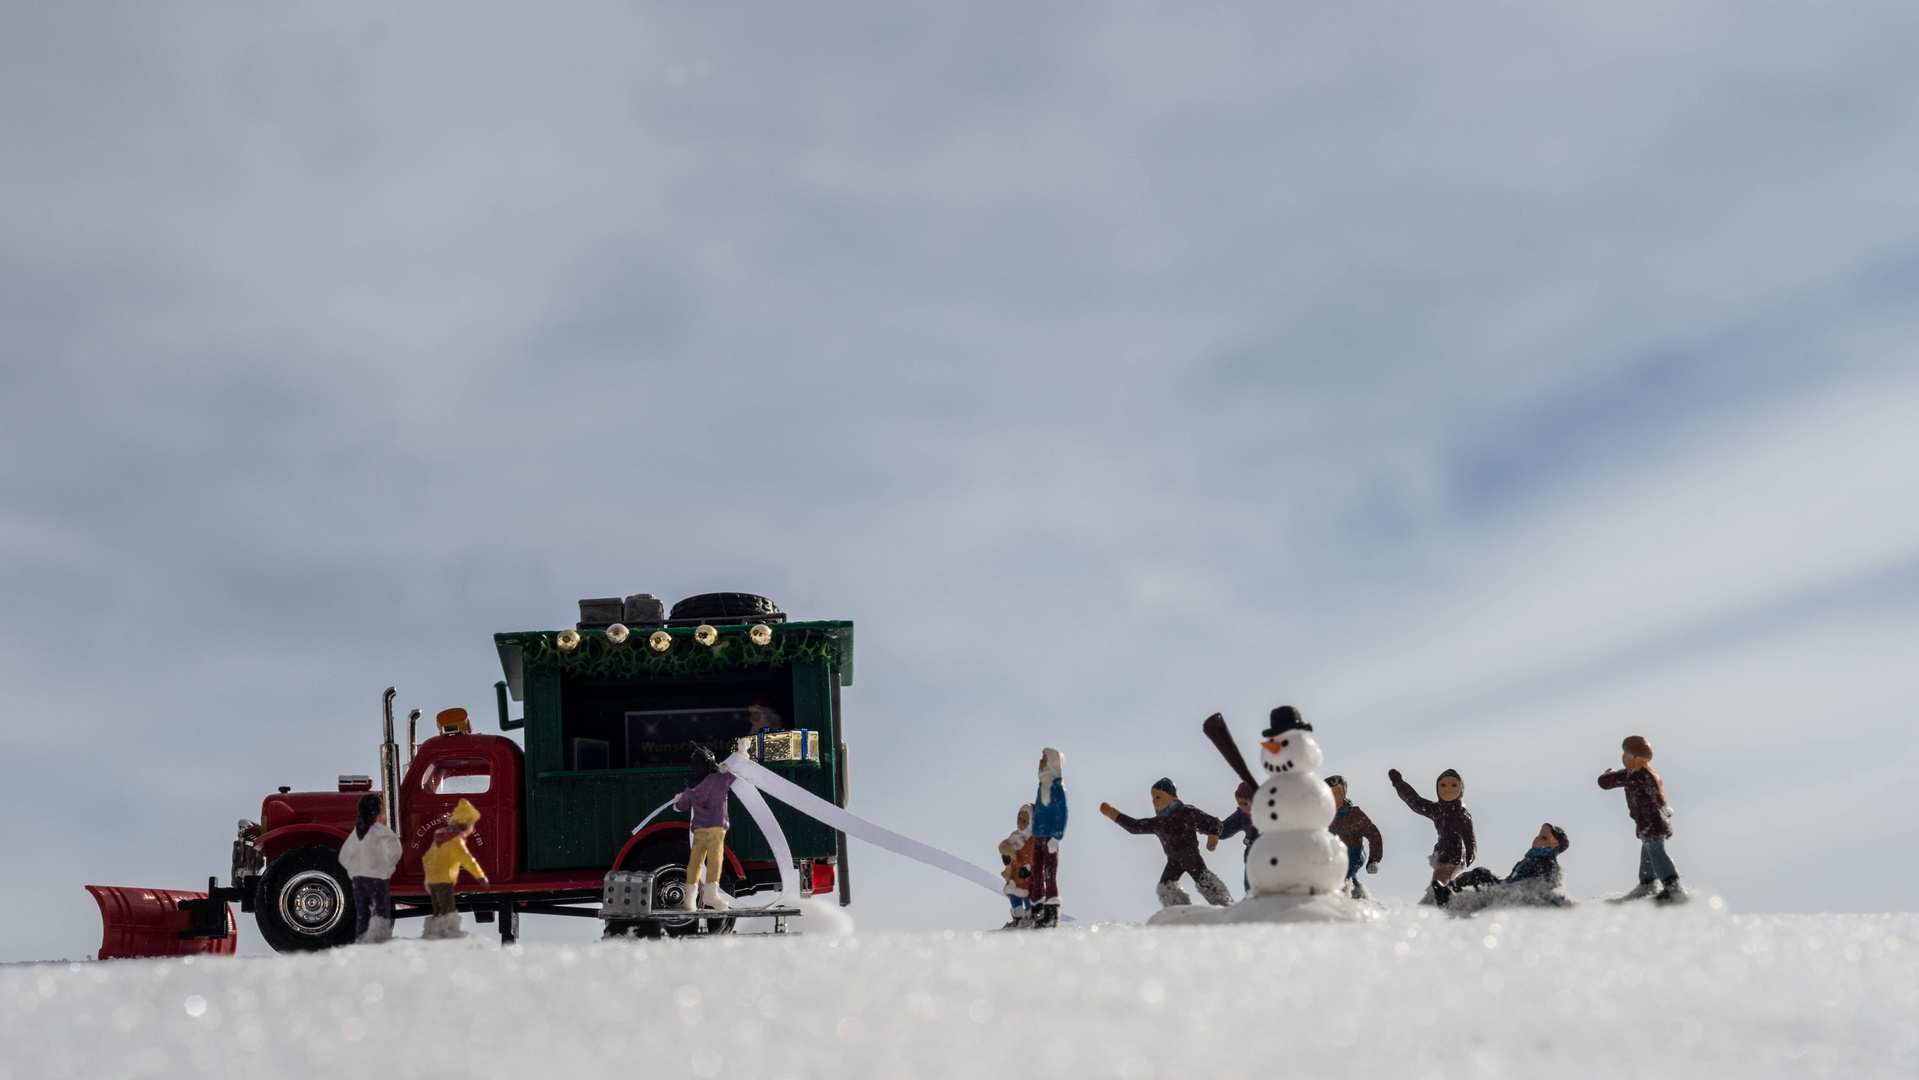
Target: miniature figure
x=1352, y=826
x=705, y=798
x=1535, y=879
x=1456, y=848
x=1178, y=827
x=1646, y=802
x=1049, y=828
x=1016, y=852
x=441, y=865
x=1237, y=822
x=369, y=855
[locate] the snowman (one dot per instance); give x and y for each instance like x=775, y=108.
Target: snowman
x=1295, y=854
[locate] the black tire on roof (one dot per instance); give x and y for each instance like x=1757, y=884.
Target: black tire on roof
x=729, y=606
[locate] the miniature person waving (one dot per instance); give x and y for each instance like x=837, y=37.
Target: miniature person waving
x=441, y=866
x=705, y=798
x=1455, y=848
x=369, y=855
x=1646, y=802
x=1179, y=828
x=1049, y=828
x=1352, y=826
x=1016, y=852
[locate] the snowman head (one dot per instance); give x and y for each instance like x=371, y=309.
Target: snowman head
x=1288, y=744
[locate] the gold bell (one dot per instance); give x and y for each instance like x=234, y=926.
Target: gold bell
x=568, y=640
x=660, y=641
x=617, y=634
x=761, y=634
x=705, y=634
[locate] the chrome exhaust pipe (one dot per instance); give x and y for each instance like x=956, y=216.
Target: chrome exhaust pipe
x=389, y=761
x=412, y=726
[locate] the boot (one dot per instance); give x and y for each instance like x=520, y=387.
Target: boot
x=690, y=900
x=1442, y=893
x=710, y=897
x=378, y=930
x=443, y=926
x=1671, y=892
x=1171, y=895
x=1359, y=891
x=1644, y=889
x=1045, y=916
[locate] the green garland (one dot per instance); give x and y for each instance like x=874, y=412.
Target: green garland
x=597, y=658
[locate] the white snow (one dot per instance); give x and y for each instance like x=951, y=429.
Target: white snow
x=1597, y=991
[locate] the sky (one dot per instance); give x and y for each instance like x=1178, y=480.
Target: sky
x=1489, y=380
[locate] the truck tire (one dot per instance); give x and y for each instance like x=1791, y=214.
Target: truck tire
x=305, y=902
x=724, y=607
x=666, y=860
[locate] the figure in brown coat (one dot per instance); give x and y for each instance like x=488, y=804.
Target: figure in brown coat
x=1646, y=802
x=1179, y=828
x=1352, y=826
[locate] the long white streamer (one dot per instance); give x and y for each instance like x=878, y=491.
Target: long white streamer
x=749, y=797
x=657, y=811
x=750, y=774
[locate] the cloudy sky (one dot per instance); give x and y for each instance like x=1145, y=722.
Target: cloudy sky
x=1491, y=380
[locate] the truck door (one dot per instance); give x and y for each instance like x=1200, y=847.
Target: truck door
x=470, y=772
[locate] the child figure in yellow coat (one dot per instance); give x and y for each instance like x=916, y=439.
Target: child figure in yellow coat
x=442, y=864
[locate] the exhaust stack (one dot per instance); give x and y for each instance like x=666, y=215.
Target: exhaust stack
x=389, y=762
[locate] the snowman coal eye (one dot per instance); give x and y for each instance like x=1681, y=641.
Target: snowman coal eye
x=1284, y=743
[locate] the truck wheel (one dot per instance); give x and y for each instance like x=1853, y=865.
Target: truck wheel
x=305, y=903
x=666, y=860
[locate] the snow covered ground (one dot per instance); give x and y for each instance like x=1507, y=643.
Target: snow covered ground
x=1600, y=991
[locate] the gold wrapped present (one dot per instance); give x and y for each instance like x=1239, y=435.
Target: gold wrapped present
x=795, y=745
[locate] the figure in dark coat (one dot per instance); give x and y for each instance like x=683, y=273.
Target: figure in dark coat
x=1646, y=802
x=1535, y=880
x=1355, y=829
x=1455, y=849
x=1179, y=828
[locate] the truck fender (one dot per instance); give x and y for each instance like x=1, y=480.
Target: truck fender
x=284, y=839
x=661, y=828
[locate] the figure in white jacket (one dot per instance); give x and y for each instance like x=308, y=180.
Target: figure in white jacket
x=369, y=855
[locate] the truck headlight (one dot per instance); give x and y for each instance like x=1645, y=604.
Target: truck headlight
x=660, y=641
x=617, y=634
x=567, y=640
x=705, y=634
x=761, y=634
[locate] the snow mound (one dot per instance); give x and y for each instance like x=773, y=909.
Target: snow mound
x=1326, y=907
x=1600, y=990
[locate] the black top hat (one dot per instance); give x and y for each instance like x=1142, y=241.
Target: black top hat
x=1285, y=718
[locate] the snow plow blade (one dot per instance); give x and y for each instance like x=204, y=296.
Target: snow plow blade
x=162, y=922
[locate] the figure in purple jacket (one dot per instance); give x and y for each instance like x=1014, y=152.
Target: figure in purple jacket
x=705, y=798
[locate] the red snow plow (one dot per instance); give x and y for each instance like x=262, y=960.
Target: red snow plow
x=162, y=922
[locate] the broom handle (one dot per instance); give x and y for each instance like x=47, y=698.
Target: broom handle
x=1215, y=729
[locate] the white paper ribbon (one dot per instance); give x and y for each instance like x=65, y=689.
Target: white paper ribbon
x=749, y=777
x=749, y=774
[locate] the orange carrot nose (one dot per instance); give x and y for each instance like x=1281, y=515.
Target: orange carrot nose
x=1271, y=747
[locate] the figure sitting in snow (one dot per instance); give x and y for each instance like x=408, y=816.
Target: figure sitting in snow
x=1237, y=822
x=1356, y=830
x=1179, y=828
x=1049, y=828
x=369, y=855
x=1016, y=852
x=1646, y=802
x=1455, y=848
x=1535, y=880
x=441, y=865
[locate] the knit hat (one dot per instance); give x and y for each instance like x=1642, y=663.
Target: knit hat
x=1246, y=790
x=703, y=762
x=1559, y=834
x=1335, y=780
x=1285, y=718
x=1637, y=746
x=465, y=813
x=1163, y=784
x=1454, y=773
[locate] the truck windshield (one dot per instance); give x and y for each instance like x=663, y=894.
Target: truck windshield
x=458, y=776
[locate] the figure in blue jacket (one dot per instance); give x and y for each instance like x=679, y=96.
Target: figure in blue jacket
x=1049, y=828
